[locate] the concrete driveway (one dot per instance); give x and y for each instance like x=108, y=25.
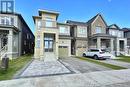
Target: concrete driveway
x=81, y=66
x=118, y=63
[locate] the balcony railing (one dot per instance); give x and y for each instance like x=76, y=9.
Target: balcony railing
x=3, y=51
x=47, y=24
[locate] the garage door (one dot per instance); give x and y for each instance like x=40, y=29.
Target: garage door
x=63, y=51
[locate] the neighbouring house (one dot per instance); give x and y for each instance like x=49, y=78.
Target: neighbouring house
x=54, y=39
x=120, y=41
x=127, y=35
x=16, y=38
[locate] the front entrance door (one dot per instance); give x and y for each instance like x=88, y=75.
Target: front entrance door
x=48, y=42
x=48, y=45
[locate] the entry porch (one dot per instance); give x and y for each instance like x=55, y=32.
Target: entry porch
x=47, y=46
x=8, y=43
x=116, y=46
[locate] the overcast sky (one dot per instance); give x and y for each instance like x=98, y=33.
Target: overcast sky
x=113, y=11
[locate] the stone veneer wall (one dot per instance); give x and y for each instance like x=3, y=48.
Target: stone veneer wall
x=81, y=46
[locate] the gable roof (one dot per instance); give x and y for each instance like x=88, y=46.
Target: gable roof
x=116, y=27
x=111, y=26
x=126, y=29
x=76, y=23
x=94, y=18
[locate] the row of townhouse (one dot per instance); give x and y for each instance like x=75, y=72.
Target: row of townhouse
x=54, y=39
x=16, y=38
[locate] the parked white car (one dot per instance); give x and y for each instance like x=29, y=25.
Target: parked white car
x=98, y=54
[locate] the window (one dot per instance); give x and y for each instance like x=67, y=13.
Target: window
x=7, y=20
x=12, y=21
x=63, y=47
x=25, y=42
x=63, y=30
x=38, y=42
x=98, y=30
x=49, y=22
x=27, y=36
x=39, y=24
x=114, y=33
x=82, y=31
x=94, y=50
x=2, y=21
x=120, y=34
x=30, y=36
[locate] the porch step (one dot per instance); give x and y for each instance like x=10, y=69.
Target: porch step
x=49, y=57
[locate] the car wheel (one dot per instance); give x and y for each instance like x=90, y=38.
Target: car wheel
x=95, y=57
x=84, y=55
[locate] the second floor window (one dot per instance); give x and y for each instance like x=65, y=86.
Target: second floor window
x=39, y=24
x=27, y=36
x=114, y=33
x=98, y=29
x=63, y=30
x=82, y=31
x=2, y=21
x=49, y=22
x=120, y=34
x=6, y=20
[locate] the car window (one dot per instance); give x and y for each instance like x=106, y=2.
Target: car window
x=104, y=50
x=94, y=50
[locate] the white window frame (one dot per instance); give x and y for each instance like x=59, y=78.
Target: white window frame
x=49, y=22
x=120, y=34
x=98, y=29
x=6, y=18
x=8, y=21
x=63, y=30
x=39, y=24
x=82, y=30
x=2, y=18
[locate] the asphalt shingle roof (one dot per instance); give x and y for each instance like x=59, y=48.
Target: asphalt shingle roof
x=76, y=23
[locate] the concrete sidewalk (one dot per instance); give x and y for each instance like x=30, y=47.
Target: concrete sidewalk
x=114, y=78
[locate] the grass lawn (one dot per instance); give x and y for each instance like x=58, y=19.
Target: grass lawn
x=14, y=66
x=124, y=59
x=101, y=63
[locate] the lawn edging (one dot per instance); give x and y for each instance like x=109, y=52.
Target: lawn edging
x=101, y=63
x=124, y=59
x=14, y=66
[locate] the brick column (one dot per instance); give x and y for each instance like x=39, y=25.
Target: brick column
x=117, y=47
x=112, y=45
x=98, y=42
x=125, y=46
x=10, y=43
